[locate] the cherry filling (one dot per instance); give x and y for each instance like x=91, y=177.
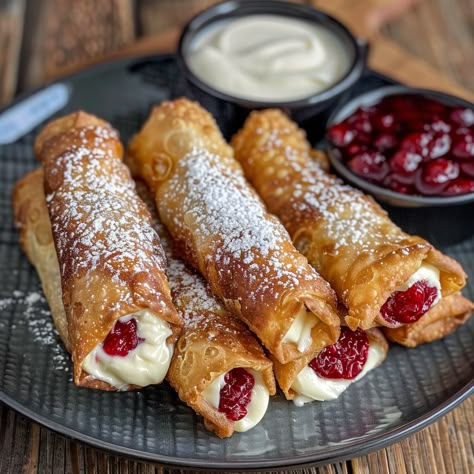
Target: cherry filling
x=410, y=305
x=122, y=339
x=236, y=394
x=410, y=144
x=346, y=358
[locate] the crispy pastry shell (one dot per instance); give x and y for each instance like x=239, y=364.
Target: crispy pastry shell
x=212, y=213
x=344, y=234
x=110, y=259
x=212, y=342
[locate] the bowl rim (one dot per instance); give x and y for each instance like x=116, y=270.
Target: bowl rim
x=344, y=110
x=228, y=9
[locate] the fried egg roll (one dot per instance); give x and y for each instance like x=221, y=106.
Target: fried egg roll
x=218, y=367
x=221, y=227
x=382, y=275
x=119, y=322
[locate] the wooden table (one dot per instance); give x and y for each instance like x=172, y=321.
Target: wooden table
x=43, y=39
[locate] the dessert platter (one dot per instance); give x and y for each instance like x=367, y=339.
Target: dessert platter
x=150, y=303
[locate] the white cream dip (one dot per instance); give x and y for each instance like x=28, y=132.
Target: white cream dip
x=268, y=57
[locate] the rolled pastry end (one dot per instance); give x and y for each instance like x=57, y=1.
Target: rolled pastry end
x=327, y=375
x=450, y=313
x=241, y=395
x=412, y=299
x=136, y=352
x=222, y=373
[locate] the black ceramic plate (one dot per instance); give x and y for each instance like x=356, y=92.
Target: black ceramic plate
x=410, y=390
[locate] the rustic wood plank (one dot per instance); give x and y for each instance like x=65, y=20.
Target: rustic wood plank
x=445, y=447
x=441, y=34
x=62, y=33
x=11, y=27
x=156, y=17
x=388, y=57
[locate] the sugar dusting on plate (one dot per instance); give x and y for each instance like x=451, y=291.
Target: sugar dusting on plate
x=38, y=320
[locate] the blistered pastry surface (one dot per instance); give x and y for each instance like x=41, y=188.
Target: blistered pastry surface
x=212, y=342
x=110, y=258
x=222, y=228
x=347, y=236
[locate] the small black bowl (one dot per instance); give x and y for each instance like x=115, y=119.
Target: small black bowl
x=233, y=110
x=443, y=220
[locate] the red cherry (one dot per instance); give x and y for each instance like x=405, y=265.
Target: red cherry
x=405, y=163
x=410, y=305
x=370, y=164
x=439, y=146
x=346, y=358
x=417, y=142
x=384, y=122
x=385, y=141
x=438, y=126
x=436, y=175
x=360, y=120
x=355, y=148
x=459, y=186
x=433, y=107
x=122, y=339
x=462, y=116
x=341, y=134
x=236, y=394
x=467, y=167
x=463, y=147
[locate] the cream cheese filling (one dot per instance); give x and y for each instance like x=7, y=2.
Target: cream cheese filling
x=309, y=386
x=147, y=364
x=300, y=330
x=255, y=409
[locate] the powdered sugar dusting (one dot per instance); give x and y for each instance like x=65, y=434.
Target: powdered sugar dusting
x=191, y=293
x=230, y=222
x=344, y=213
x=97, y=219
x=39, y=323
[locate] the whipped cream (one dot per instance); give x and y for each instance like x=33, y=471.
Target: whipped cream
x=255, y=409
x=309, y=386
x=268, y=57
x=147, y=364
x=300, y=330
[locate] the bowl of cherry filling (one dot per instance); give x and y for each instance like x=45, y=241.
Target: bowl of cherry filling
x=413, y=150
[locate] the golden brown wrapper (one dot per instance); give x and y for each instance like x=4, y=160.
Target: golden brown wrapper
x=287, y=373
x=36, y=240
x=344, y=234
x=222, y=228
x=450, y=313
x=110, y=259
x=213, y=342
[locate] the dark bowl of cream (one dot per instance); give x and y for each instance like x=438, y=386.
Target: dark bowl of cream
x=240, y=55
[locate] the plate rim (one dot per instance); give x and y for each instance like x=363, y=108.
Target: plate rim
x=356, y=447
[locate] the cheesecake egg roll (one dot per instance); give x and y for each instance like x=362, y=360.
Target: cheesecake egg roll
x=218, y=367
x=382, y=275
x=221, y=227
x=101, y=263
